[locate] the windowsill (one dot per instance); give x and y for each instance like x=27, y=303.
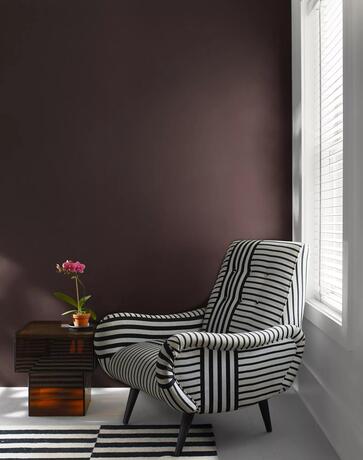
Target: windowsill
x=329, y=322
x=336, y=317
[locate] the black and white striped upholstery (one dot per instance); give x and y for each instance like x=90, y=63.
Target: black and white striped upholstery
x=119, y=330
x=253, y=287
x=243, y=348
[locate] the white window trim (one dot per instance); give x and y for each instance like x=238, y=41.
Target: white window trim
x=336, y=327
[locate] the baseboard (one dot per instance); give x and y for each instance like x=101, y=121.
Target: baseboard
x=343, y=432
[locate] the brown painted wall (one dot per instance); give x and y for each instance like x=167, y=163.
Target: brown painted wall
x=139, y=137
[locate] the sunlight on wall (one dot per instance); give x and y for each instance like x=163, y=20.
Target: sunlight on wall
x=9, y=273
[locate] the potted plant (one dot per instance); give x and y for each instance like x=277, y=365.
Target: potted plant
x=81, y=314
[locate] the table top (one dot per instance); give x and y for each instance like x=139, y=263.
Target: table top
x=52, y=329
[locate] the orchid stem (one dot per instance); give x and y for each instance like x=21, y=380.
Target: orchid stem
x=77, y=292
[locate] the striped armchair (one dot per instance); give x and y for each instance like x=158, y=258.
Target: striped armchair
x=243, y=348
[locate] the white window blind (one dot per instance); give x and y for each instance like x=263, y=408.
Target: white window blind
x=328, y=153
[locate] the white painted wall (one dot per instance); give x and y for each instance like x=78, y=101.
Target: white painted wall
x=296, y=119
x=331, y=379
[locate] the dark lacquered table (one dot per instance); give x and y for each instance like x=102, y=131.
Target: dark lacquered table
x=59, y=362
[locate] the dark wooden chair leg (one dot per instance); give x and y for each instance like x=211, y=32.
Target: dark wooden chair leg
x=265, y=412
x=130, y=404
x=186, y=421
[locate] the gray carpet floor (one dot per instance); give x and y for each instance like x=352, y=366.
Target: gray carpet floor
x=239, y=435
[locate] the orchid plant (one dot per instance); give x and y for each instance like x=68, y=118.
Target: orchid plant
x=74, y=270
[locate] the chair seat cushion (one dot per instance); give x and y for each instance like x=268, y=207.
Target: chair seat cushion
x=135, y=365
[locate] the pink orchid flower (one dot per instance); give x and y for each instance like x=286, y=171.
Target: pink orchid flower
x=73, y=267
x=74, y=270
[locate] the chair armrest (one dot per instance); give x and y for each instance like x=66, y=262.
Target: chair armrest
x=117, y=330
x=233, y=342
x=258, y=364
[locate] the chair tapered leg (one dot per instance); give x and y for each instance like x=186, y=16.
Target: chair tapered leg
x=130, y=404
x=265, y=412
x=186, y=421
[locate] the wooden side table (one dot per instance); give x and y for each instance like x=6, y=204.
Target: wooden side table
x=59, y=362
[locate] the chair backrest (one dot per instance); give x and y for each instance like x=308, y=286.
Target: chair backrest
x=261, y=284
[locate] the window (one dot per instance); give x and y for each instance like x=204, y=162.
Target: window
x=323, y=148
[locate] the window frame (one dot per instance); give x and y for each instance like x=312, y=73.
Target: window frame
x=334, y=325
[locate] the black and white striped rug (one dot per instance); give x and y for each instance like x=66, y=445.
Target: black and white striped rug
x=105, y=442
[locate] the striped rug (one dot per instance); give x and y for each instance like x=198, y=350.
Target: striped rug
x=105, y=442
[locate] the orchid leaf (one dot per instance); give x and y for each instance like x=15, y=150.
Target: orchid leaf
x=66, y=298
x=93, y=314
x=83, y=300
x=69, y=312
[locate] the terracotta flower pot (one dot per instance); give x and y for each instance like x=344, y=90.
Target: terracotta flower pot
x=81, y=319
